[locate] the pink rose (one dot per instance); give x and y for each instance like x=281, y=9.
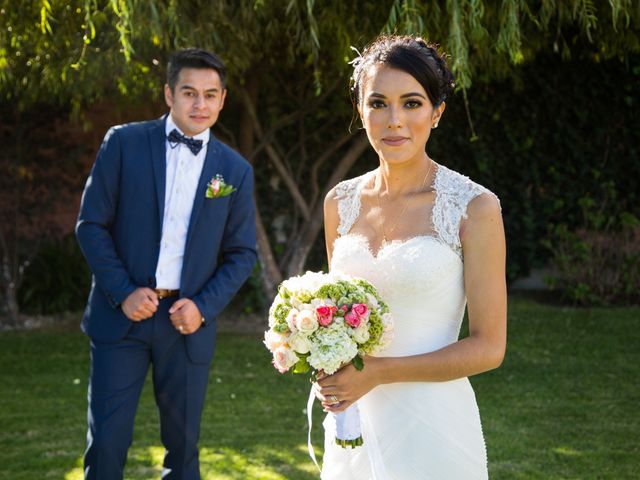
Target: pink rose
x=344, y=308
x=215, y=186
x=352, y=319
x=361, y=310
x=325, y=314
x=284, y=358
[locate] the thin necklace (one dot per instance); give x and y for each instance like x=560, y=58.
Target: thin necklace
x=404, y=207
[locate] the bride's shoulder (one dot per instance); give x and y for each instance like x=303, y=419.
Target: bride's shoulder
x=463, y=190
x=348, y=188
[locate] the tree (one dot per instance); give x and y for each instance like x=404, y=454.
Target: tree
x=288, y=70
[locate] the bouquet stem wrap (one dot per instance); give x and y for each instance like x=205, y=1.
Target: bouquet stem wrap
x=348, y=430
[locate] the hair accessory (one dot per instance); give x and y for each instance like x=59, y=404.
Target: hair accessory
x=356, y=63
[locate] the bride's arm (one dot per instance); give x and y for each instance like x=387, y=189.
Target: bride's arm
x=331, y=221
x=483, y=244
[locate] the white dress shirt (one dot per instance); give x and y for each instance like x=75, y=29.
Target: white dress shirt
x=182, y=175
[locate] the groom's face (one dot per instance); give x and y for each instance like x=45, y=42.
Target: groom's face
x=196, y=99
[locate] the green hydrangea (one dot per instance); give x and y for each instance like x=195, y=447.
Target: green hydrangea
x=280, y=312
x=375, y=332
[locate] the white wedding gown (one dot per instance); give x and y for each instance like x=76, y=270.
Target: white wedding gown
x=418, y=430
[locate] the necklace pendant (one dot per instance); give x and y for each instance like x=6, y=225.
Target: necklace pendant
x=384, y=240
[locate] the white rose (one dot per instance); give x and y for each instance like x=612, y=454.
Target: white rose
x=295, y=303
x=291, y=319
x=361, y=334
x=273, y=340
x=306, y=321
x=284, y=358
x=299, y=343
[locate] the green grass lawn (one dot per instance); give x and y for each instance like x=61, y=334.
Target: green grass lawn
x=563, y=405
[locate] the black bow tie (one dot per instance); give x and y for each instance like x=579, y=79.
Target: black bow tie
x=176, y=137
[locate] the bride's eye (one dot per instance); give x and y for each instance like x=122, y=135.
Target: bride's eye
x=413, y=104
x=376, y=104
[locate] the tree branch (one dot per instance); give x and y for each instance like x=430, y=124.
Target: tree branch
x=287, y=177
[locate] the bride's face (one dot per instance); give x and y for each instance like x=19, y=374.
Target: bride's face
x=397, y=114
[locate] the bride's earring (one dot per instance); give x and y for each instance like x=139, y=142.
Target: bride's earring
x=435, y=125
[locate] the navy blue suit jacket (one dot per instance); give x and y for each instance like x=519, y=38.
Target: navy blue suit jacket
x=120, y=225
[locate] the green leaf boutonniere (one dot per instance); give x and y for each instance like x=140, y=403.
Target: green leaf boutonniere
x=217, y=188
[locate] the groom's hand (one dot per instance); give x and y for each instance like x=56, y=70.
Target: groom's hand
x=185, y=316
x=141, y=304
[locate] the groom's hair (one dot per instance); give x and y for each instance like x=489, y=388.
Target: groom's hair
x=194, y=58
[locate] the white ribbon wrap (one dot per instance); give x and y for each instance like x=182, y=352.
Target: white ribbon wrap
x=347, y=424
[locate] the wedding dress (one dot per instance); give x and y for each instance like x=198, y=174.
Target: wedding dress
x=417, y=430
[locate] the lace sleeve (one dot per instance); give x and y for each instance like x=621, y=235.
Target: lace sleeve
x=348, y=196
x=453, y=194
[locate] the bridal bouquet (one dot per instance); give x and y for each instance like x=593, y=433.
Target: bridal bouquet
x=323, y=321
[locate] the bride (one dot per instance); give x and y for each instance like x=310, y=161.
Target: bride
x=432, y=242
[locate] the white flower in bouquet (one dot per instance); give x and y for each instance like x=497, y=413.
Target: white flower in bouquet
x=299, y=342
x=333, y=348
x=361, y=334
x=284, y=358
x=273, y=340
x=306, y=321
x=292, y=318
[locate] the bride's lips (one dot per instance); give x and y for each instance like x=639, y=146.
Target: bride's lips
x=395, y=141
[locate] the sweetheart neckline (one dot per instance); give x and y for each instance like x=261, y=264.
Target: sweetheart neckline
x=396, y=243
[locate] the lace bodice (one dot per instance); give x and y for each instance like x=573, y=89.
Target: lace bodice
x=453, y=193
x=420, y=277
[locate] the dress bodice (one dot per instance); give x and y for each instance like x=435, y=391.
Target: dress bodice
x=421, y=277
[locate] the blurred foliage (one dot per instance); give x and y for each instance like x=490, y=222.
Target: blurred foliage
x=50, y=49
x=57, y=280
x=596, y=267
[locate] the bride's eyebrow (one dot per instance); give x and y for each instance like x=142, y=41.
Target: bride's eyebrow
x=406, y=95
x=413, y=94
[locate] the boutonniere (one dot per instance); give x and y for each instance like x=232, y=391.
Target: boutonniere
x=217, y=188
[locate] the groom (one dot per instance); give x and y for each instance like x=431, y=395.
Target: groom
x=167, y=225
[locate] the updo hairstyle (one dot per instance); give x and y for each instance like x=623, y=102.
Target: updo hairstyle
x=410, y=54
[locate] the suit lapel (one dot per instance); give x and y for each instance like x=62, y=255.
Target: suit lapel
x=209, y=170
x=159, y=160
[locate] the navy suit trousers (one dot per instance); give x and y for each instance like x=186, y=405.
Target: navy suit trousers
x=118, y=372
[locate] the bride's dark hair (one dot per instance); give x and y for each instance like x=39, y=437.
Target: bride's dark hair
x=422, y=60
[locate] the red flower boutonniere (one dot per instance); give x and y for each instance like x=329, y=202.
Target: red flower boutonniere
x=217, y=188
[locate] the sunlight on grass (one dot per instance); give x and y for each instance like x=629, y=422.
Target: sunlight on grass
x=217, y=463
x=263, y=463
x=77, y=473
x=570, y=452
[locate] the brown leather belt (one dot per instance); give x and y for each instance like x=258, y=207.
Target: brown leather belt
x=164, y=293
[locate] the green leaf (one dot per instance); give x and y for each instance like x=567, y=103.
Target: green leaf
x=358, y=362
x=302, y=366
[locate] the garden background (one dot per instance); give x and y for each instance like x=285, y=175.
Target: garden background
x=545, y=114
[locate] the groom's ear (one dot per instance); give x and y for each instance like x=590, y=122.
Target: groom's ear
x=168, y=95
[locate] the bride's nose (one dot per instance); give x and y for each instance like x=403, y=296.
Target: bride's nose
x=395, y=120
